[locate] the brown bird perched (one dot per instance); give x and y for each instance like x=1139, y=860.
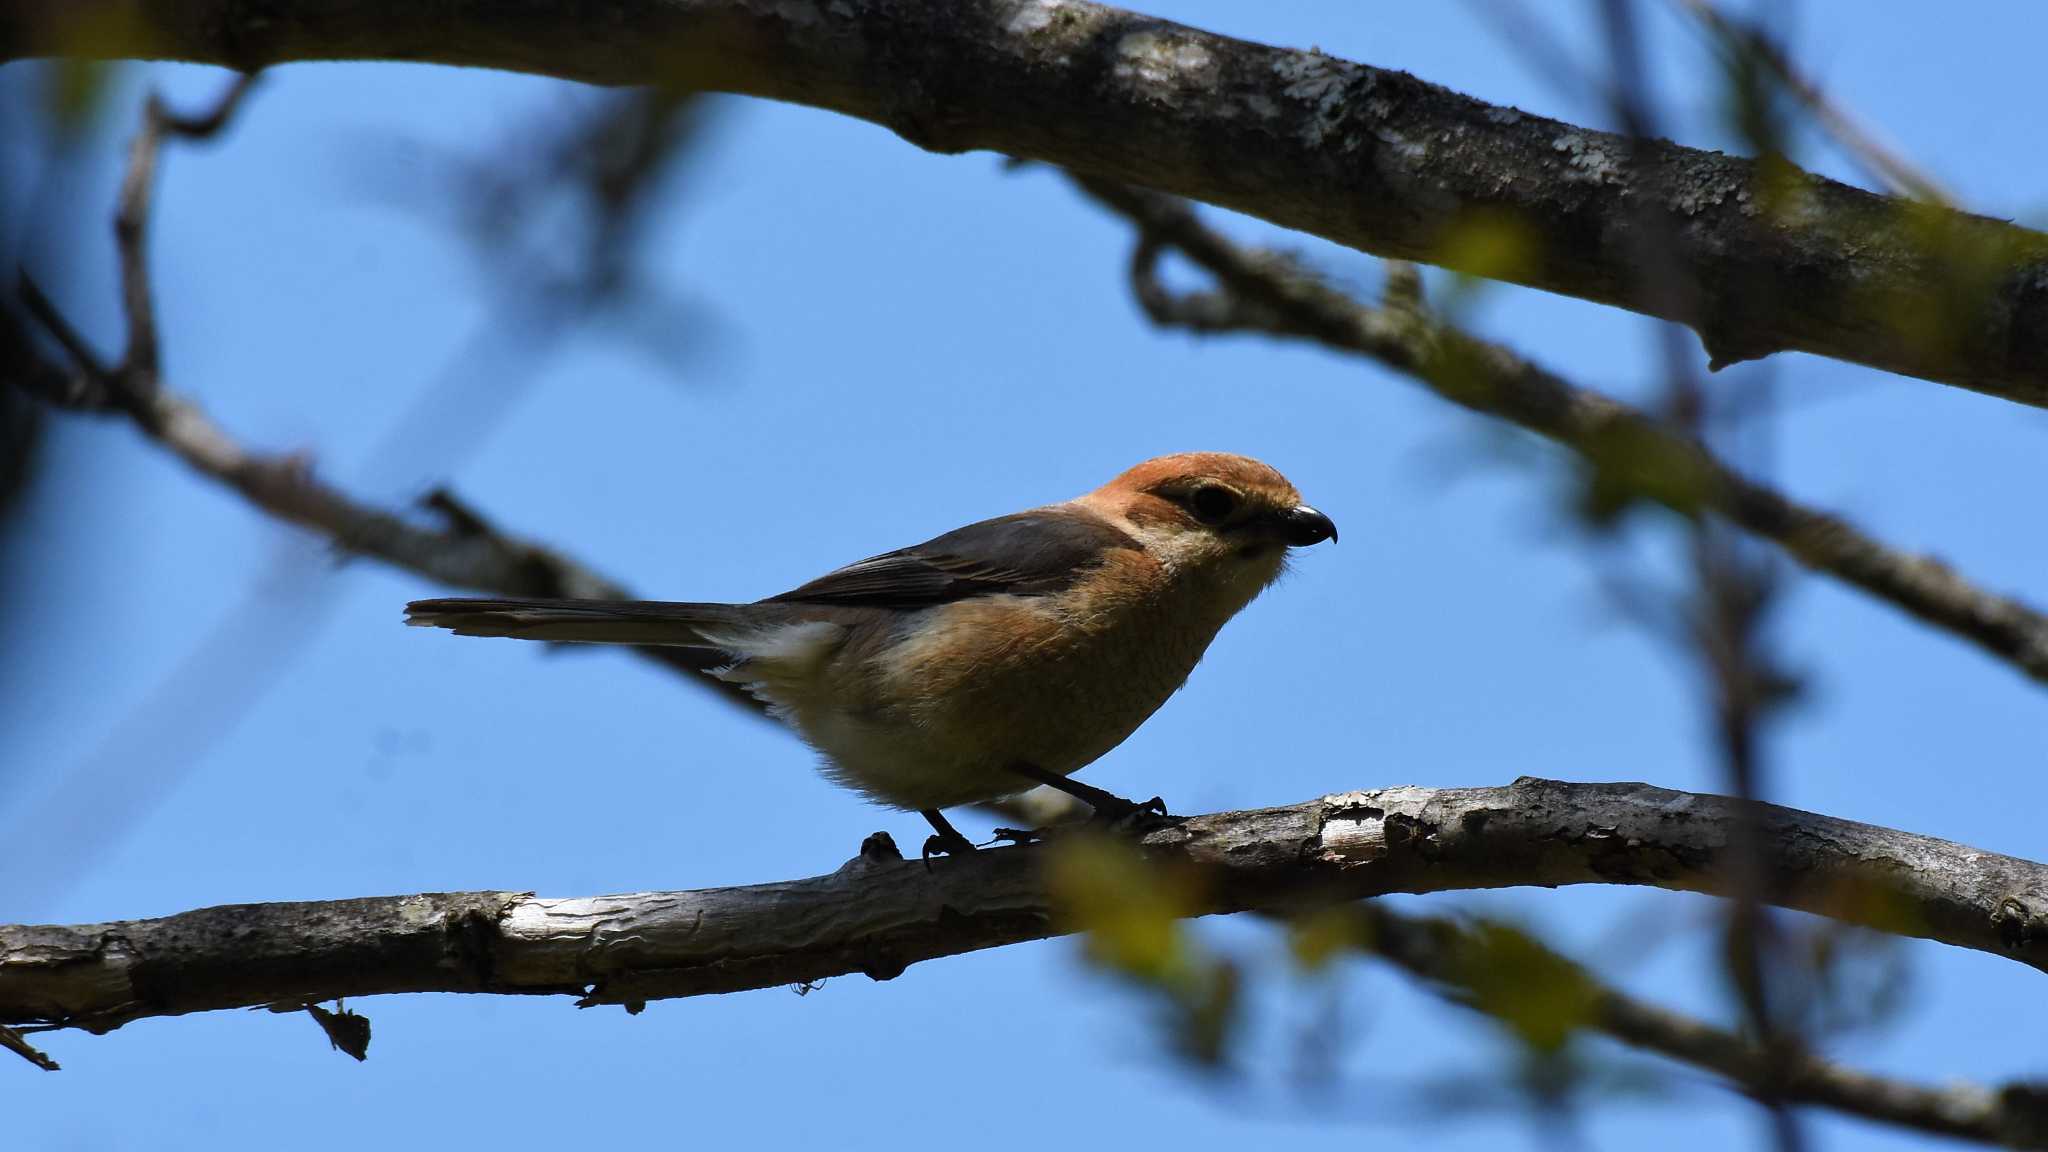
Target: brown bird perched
x=1008, y=653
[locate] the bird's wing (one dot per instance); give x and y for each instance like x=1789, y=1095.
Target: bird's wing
x=1024, y=554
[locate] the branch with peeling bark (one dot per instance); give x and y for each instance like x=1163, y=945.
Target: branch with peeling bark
x=880, y=914
x=1632, y=453
x=1370, y=158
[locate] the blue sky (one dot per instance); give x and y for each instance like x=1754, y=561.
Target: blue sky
x=891, y=343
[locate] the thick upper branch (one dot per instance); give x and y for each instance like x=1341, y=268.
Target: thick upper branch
x=1370, y=158
x=881, y=914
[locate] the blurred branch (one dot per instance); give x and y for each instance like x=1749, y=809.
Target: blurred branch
x=460, y=547
x=1463, y=961
x=1633, y=456
x=1732, y=592
x=1370, y=158
x=455, y=544
x=880, y=914
x=1861, y=144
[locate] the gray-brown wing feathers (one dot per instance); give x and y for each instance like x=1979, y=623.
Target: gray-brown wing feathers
x=1024, y=554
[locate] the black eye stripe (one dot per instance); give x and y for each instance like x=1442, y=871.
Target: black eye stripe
x=1212, y=503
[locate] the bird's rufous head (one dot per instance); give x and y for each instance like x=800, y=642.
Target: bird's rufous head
x=1213, y=513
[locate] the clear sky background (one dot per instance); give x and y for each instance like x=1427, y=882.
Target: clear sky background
x=882, y=344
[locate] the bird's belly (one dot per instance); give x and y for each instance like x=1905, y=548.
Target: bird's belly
x=947, y=757
x=1057, y=707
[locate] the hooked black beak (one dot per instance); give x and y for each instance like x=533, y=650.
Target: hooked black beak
x=1303, y=526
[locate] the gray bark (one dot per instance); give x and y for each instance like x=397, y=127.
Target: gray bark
x=880, y=914
x=1370, y=158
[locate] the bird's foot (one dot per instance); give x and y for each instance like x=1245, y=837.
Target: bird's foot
x=1138, y=816
x=945, y=839
x=1120, y=817
x=1113, y=813
x=937, y=844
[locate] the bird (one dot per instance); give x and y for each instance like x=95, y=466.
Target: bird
x=1009, y=653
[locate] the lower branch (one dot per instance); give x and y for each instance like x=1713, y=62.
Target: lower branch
x=1454, y=957
x=880, y=914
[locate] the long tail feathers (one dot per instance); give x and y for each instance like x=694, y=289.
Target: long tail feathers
x=580, y=621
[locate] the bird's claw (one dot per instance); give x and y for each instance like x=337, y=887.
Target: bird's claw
x=1138, y=815
x=1122, y=817
x=939, y=845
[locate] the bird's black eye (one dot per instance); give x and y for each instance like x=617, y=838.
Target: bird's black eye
x=1212, y=504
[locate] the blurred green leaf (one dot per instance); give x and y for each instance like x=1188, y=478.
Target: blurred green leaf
x=1510, y=975
x=1629, y=463
x=74, y=93
x=1322, y=936
x=1131, y=911
x=1489, y=246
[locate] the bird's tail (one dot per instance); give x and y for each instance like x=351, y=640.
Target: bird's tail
x=586, y=621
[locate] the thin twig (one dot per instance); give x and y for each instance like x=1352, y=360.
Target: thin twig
x=1731, y=597
x=1277, y=295
x=1862, y=144
x=455, y=545
x=13, y=1042
x=463, y=550
x=1455, y=957
x=142, y=363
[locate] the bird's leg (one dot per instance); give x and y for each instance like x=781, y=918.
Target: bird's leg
x=1109, y=807
x=946, y=841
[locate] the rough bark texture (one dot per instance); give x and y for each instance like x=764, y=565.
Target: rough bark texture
x=880, y=914
x=1370, y=158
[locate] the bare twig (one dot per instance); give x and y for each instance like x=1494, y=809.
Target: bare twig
x=455, y=545
x=1459, y=960
x=1731, y=599
x=1862, y=144
x=1630, y=452
x=464, y=550
x=13, y=1042
x=143, y=362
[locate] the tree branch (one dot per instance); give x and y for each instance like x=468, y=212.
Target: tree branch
x=463, y=550
x=1463, y=963
x=880, y=914
x=1632, y=454
x=1862, y=145
x=1370, y=158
